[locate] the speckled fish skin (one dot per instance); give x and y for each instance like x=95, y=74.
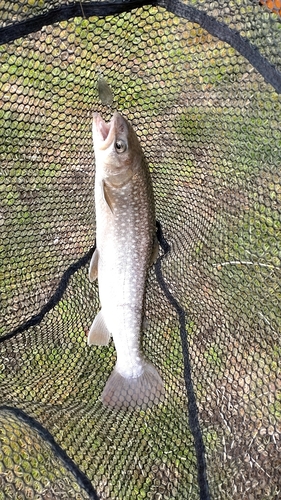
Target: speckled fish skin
x=126, y=246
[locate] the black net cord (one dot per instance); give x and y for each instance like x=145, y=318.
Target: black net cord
x=80, y=477
x=230, y=36
x=101, y=9
x=55, y=298
x=192, y=405
x=66, y=12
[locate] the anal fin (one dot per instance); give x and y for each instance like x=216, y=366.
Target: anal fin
x=98, y=333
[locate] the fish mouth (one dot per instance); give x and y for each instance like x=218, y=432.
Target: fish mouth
x=104, y=132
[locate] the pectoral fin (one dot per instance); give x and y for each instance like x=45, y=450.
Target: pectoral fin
x=93, y=269
x=155, y=251
x=107, y=197
x=98, y=334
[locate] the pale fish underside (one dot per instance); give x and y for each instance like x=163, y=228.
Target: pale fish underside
x=126, y=246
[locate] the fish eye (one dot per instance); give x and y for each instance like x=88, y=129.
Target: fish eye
x=120, y=146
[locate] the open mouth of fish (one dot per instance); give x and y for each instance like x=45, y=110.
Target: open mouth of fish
x=105, y=132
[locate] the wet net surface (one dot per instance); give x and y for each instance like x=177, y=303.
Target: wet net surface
x=208, y=117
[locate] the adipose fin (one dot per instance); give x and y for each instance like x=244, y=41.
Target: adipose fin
x=155, y=251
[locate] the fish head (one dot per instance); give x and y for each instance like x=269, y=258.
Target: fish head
x=117, y=149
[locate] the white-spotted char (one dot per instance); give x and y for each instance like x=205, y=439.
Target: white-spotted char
x=126, y=246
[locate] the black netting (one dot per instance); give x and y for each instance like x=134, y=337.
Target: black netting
x=200, y=83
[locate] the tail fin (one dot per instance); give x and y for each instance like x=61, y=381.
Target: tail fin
x=142, y=391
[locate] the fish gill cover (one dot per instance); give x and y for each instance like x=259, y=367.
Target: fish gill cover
x=200, y=84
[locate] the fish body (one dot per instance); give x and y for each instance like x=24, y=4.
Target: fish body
x=126, y=246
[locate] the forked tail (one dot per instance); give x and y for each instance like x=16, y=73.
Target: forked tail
x=142, y=392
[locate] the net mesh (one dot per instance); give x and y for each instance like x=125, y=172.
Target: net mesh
x=200, y=82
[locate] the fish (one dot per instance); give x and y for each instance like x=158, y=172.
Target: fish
x=126, y=246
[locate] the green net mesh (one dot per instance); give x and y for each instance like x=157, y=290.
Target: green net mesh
x=200, y=83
